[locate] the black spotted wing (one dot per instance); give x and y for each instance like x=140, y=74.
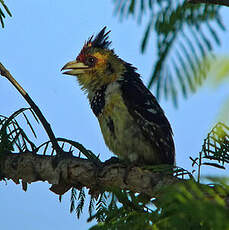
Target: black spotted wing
x=148, y=114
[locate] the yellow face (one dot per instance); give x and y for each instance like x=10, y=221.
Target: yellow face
x=95, y=67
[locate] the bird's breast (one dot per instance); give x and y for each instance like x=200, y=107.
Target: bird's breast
x=106, y=99
x=121, y=133
x=115, y=120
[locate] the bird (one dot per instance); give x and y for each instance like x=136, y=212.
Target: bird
x=132, y=122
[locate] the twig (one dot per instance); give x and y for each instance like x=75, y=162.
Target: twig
x=215, y=2
x=4, y=72
x=199, y=166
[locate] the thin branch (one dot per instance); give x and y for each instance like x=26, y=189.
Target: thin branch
x=4, y=72
x=215, y=2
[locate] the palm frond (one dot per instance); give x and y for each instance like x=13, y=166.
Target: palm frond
x=81, y=201
x=73, y=199
x=187, y=205
x=12, y=135
x=215, y=149
x=216, y=146
x=185, y=35
x=2, y=14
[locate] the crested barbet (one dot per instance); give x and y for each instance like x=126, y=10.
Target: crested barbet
x=132, y=122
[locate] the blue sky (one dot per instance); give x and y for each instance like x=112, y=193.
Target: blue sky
x=36, y=42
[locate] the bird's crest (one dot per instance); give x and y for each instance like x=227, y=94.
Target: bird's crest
x=99, y=41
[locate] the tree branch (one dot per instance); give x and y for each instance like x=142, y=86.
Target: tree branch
x=215, y=2
x=4, y=72
x=78, y=172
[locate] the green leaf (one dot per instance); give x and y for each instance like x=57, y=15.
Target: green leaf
x=2, y=15
x=214, y=165
x=146, y=37
x=175, y=23
x=6, y=8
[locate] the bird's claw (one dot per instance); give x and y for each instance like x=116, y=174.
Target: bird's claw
x=112, y=160
x=57, y=158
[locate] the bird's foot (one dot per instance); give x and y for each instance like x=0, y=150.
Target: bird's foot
x=129, y=166
x=59, y=157
x=112, y=160
x=126, y=164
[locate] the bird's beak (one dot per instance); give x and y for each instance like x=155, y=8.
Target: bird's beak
x=74, y=68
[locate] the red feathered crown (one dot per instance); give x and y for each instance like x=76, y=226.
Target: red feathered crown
x=100, y=41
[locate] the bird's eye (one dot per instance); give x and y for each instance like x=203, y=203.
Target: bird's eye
x=90, y=61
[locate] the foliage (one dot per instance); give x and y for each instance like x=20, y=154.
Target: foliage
x=187, y=205
x=14, y=138
x=12, y=135
x=185, y=34
x=215, y=148
x=184, y=206
x=216, y=145
x=184, y=37
x=220, y=71
x=2, y=14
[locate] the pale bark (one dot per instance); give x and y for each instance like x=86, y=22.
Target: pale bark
x=78, y=172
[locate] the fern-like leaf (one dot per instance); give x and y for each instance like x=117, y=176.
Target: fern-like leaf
x=184, y=38
x=2, y=15
x=216, y=145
